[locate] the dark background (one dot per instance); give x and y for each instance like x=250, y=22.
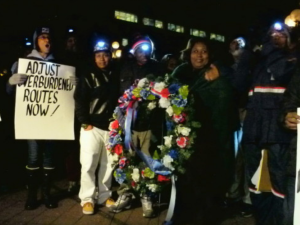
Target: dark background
x=230, y=18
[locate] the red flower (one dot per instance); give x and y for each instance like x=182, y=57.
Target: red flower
x=118, y=149
x=165, y=93
x=182, y=141
x=112, y=133
x=133, y=184
x=179, y=118
x=162, y=178
x=114, y=125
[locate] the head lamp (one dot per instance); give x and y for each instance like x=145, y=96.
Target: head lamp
x=278, y=26
x=241, y=42
x=145, y=47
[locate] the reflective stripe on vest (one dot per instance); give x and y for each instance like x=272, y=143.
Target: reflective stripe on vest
x=276, y=90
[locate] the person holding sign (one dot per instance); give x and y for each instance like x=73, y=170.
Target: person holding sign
x=37, y=149
x=95, y=97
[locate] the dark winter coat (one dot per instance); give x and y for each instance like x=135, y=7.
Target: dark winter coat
x=291, y=101
x=270, y=79
x=96, y=96
x=210, y=166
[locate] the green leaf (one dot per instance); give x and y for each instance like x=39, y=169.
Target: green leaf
x=149, y=173
x=177, y=110
x=151, y=97
x=136, y=92
x=156, y=155
x=196, y=124
x=184, y=91
x=181, y=169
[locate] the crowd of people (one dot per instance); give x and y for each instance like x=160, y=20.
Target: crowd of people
x=245, y=109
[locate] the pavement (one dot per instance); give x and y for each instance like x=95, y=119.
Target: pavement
x=69, y=212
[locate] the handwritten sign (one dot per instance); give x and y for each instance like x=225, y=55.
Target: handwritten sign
x=44, y=104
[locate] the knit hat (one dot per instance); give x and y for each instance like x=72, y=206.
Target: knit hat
x=102, y=46
x=144, y=42
x=38, y=32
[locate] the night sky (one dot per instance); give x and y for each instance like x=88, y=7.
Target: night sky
x=18, y=19
x=226, y=16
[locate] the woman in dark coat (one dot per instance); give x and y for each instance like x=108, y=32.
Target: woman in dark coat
x=210, y=168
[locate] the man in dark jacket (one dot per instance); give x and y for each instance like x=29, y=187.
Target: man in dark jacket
x=95, y=99
x=261, y=130
x=146, y=125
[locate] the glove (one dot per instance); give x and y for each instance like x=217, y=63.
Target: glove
x=74, y=80
x=17, y=79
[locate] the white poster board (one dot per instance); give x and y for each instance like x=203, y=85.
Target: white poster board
x=44, y=104
x=297, y=184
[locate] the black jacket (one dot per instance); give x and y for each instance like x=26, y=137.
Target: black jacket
x=96, y=96
x=291, y=101
x=131, y=71
x=270, y=79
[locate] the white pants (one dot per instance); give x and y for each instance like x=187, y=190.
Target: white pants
x=92, y=154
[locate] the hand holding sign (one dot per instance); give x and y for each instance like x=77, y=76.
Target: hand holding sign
x=17, y=79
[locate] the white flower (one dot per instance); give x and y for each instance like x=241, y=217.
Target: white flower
x=185, y=131
x=160, y=147
x=151, y=105
x=167, y=161
x=159, y=86
x=152, y=187
x=164, y=103
x=135, y=175
x=168, y=141
x=143, y=83
x=170, y=111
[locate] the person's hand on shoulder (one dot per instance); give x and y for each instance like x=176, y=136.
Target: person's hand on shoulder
x=17, y=79
x=212, y=73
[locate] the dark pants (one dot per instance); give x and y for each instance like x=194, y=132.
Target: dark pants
x=268, y=206
x=289, y=201
x=40, y=152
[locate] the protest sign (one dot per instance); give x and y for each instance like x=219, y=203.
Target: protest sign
x=44, y=103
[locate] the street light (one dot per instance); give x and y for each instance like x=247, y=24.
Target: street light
x=293, y=19
x=289, y=21
x=115, y=45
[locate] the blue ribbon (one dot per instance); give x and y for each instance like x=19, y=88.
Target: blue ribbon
x=130, y=119
x=155, y=165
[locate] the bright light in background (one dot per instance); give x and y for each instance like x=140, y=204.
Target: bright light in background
x=28, y=43
x=289, y=21
x=118, y=53
x=145, y=47
x=115, y=45
x=131, y=51
x=71, y=30
x=124, y=42
x=277, y=26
